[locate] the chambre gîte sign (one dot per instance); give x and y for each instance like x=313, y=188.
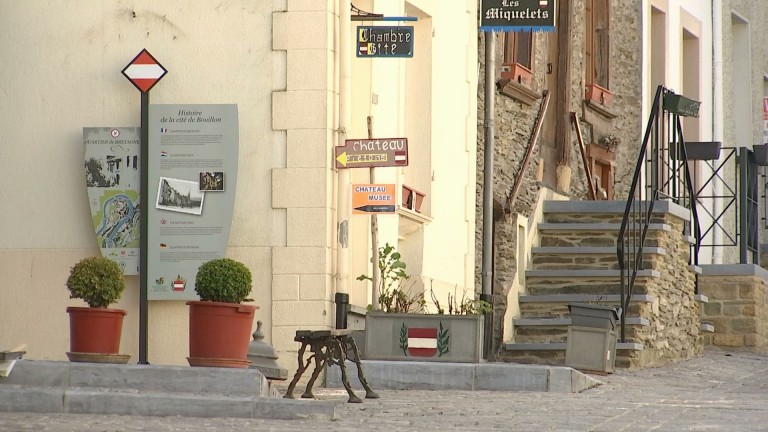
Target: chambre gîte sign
x=517, y=15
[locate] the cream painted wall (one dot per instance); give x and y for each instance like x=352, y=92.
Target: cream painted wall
x=694, y=18
x=431, y=100
x=278, y=62
x=62, y=73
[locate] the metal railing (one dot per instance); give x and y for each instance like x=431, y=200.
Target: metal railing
x=729, y=213
x=662, y=168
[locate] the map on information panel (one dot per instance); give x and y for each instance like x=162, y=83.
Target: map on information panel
x=112, y=178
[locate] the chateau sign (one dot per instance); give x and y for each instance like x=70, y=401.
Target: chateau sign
x=517, y=15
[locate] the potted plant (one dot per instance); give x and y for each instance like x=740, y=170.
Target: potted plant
x=402, y=330
x=95, y=330
x=219, y=325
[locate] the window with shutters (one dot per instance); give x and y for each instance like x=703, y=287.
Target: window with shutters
x=597, y=53
x=517, y=63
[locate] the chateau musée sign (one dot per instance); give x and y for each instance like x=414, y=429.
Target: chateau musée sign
x=517, y=15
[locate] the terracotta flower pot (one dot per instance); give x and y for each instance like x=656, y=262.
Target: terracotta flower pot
x=219, y=333
x=95, y=330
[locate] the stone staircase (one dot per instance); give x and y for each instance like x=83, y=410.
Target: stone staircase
x=576, y=262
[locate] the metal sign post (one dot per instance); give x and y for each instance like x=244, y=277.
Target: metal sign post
x=144, y=72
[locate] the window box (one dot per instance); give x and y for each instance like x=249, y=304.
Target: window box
x=708, y=150
x=412, y=199
x=517, y=72
x=599, y=94
x=761, y=154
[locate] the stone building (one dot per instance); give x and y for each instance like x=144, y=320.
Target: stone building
x=711, y=52
x=589, y=66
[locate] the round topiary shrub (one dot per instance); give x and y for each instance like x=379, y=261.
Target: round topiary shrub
x=223, y=280
x=96, y=280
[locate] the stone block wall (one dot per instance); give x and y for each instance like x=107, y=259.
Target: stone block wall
x=738, y=306
x=673, y=333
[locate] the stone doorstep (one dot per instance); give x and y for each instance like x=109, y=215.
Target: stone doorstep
x=142, y=378
x=412, y=375
x=74, y=400
x=64, y=387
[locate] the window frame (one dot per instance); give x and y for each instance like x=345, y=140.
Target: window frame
x=598, y=42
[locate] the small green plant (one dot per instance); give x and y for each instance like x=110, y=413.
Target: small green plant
x=466, y=306
x=394, y=296
x=98, y=281
x=223, y=280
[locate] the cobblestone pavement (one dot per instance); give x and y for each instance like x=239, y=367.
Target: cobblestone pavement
x=717, y=392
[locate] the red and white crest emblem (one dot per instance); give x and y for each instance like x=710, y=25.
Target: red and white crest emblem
x=422, y=342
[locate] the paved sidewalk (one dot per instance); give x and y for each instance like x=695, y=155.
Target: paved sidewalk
x=717, y=392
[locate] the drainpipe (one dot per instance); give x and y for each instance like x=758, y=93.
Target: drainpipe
x=343, y=209
x=489, y=115
x=717, y=27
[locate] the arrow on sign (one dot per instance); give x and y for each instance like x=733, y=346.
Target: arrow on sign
x=376, y=209
x=342, y=158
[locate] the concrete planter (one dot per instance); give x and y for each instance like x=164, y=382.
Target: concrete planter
x=423, y=337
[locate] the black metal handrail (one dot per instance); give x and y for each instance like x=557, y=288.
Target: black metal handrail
x=663, y=163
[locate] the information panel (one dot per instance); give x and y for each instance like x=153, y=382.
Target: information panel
x=112, y=178
x=192, y=178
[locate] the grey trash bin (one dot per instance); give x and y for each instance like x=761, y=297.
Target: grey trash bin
x=592, y=337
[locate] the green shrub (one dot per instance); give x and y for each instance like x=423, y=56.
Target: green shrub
x=96, y=280
x=223, y=280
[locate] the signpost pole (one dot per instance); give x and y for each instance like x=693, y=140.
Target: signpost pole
x=144, y=224
x=144, y=71
x=374, y=236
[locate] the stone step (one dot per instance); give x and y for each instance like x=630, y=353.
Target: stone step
x=148, y=390
x=556, y=305
x=548, y=330
x=557, y=322
x=604, y=211
x=591, y=234
x=586, y=257
x=553, y=354
x=569, y=281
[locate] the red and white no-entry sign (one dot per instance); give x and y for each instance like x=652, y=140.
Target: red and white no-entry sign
x=144, y=71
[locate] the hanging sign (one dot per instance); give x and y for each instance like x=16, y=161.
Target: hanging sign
x=384, y=41
x=517, y=15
